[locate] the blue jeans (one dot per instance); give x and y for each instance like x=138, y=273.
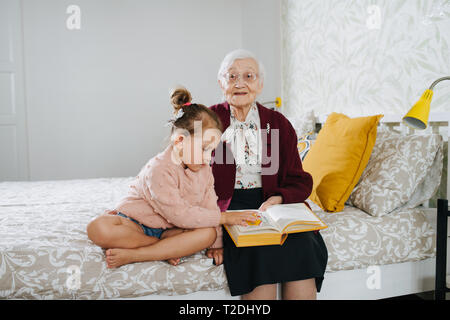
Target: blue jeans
x=152, y=232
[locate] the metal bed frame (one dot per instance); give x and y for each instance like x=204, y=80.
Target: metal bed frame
x=441, y=249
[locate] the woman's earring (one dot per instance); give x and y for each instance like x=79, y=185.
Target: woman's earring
x=268, y=128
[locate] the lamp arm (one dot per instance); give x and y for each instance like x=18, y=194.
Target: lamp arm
x=437, y=81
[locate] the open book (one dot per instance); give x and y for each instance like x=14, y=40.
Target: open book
x=275, y=225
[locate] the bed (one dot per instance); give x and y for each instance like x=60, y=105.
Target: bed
x=45, y=252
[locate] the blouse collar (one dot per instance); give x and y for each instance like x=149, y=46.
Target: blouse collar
x=252, y=113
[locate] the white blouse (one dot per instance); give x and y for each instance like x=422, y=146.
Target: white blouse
x=245, y=142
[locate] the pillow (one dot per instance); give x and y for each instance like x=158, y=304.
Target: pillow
x=338, y=157
x=303, y=122
x=304, y=144
x=403, y=172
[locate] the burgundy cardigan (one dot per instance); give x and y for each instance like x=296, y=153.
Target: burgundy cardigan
x=290, y=181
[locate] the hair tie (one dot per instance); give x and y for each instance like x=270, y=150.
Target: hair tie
x=180, y=111
x=179, y=114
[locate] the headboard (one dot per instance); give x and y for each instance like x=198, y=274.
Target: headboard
x=437, y=123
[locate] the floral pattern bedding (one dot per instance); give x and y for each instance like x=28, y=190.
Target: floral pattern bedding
x=46, y=254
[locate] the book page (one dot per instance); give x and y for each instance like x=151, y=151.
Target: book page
x=266, y=224
x=291, y=212
x=286, y=224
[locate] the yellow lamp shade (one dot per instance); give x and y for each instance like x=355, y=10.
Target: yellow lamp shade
x=417, y=117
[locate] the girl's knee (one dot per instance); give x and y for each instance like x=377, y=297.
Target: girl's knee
x=210, y=234
x=99, y=230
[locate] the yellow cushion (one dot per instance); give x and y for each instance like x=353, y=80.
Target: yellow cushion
x=338, y=157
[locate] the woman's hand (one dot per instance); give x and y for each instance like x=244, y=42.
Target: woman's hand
x=239, y=218
x=270, y=202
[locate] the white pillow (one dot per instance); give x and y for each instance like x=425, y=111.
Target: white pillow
x=303, y=122
x=402, y=172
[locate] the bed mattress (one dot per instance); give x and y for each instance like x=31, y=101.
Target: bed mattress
x=45, y=252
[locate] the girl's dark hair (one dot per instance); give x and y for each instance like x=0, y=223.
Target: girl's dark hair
x=181, y=99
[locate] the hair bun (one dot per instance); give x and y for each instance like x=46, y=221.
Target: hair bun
x=178, y=97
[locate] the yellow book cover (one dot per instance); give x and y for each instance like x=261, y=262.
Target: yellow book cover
x=275, y=225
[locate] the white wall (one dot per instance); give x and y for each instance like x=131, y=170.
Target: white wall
x=364, y=57
x=97, y=98
x=262, y=35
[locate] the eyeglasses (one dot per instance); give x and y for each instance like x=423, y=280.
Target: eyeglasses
x=247, y=77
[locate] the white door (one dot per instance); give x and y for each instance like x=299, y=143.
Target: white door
x=13, y=129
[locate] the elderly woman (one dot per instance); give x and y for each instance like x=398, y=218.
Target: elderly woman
x=258, y=165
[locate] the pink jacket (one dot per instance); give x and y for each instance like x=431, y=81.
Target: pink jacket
x=165, y=195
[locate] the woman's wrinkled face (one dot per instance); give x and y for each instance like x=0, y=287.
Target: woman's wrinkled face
x=241, y=83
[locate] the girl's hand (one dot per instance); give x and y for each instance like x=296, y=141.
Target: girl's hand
x=216, y=254
x=239, y=218
x=270, y=202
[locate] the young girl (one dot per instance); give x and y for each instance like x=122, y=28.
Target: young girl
x=171, y=209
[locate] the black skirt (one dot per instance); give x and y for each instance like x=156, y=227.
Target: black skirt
x=303, y=255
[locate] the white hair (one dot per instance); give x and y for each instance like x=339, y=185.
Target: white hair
x=235, y=55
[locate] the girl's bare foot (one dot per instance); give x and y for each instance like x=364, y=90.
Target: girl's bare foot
x=118, y=257
x=174, y=261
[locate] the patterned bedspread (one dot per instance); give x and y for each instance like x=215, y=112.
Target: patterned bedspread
x=45, y=252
